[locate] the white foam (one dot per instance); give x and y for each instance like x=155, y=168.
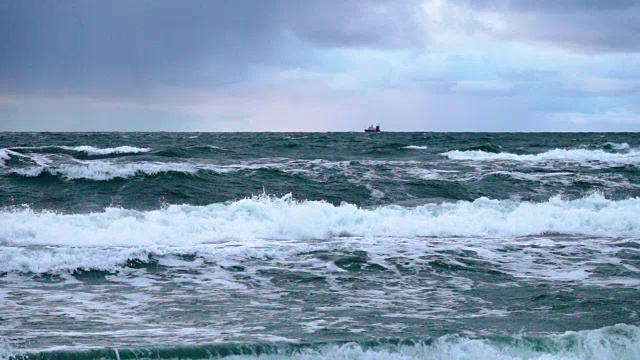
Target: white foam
x=619, y=342
x=423, y=174
x=416, y=147
x=46, y=260
x=268, y=218
x=262, y=227
x=102, y=170
x=6, y=352
x=573, y=155
x=4, y=156
x=90, y=150
x=107, y=170
x=618, y=146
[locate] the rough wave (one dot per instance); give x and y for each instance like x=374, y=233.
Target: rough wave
x=618, y=342
x=617, y=146
x=284, y=218
x=90, y=150
x=4, y=156
x=103, y=171
x=573, y=155
x=416, y=147
x=6, y=352
x=46, y=241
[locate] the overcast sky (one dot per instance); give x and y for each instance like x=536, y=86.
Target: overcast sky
x=320, y=65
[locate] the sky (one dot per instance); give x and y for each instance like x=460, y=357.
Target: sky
x=319, y=65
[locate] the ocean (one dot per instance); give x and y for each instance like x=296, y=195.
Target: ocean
x=319, y=246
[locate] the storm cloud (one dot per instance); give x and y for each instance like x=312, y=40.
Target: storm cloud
x=104, y=46
x=319, y=65
x=584, y=25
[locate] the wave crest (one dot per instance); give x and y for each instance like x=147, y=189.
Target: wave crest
x=4, y=156
x=284, y=218
x=616, y=146
x=90, y=150
x=617, y=342
x=104, y=171
x=572, y=155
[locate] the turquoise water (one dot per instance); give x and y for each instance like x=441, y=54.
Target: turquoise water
x=319, y=245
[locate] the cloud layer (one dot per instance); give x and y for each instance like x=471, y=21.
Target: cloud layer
x=319, y=65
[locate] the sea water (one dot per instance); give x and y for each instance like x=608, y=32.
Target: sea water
x=319, y=246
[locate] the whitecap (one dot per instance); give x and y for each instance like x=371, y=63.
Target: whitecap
x=573, y=155
x=90, y=150
x=270, y=218
x=103, y=171
x=618, y=146
x=4, y=156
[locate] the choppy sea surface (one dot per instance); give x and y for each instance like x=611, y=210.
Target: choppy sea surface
x=319, y=246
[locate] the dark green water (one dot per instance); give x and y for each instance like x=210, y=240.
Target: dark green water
x=310, y=245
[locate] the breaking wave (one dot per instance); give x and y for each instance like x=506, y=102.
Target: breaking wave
x=103, y=171
x=574, y=155
x=43, y=160
x=618, y=342
x=416, y=147
x=4, y=156
x=616, y=146
x=284, y=218
x=90, y=150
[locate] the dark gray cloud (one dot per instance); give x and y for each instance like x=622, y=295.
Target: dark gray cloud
x=282, y=64
x=371, y=23
x=555, y=5
x=126, y=46
x=79, y=45
x=584, y=25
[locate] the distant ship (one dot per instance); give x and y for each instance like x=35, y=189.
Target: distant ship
x=372, y=129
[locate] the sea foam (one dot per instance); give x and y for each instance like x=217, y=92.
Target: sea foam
x=618, y=146
x=281, y=228
x=572, y=155
x=103, y=171
x=617, y=342
x=284, y=218
x=4, y=156
x=90, y=150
